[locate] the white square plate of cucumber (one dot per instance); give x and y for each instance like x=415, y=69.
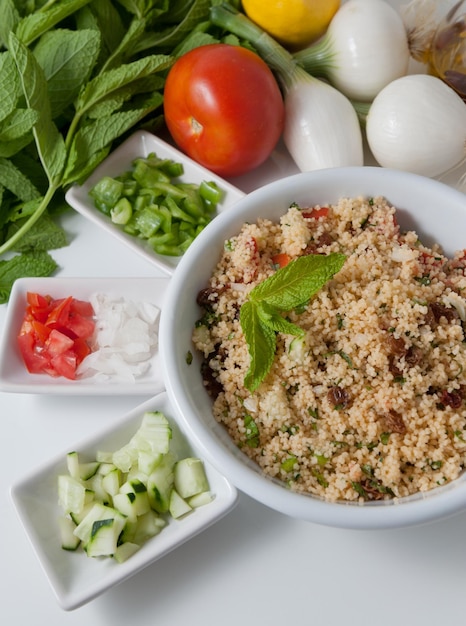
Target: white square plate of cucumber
x=75, y=524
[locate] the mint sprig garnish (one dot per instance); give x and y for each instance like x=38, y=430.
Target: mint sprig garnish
x=261, y=316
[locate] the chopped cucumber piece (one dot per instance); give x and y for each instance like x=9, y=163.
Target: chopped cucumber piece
x=84, y=529
x=125, y=457
x=88, y=470
x=149, y=525
x=80, y=470
x=96, y=485
x=72, y=463
x=105, y=468
x=78, y=517
x=69, y=541
x=154, y=434
x=104, y=457
x=125, y=550
x=178, y=505
x=105, y=534
x=160, y=484
x=190, y=477
x=132, y=500
x=200, y=499
x=71, y=494
x=148, y=461
x=111, y=482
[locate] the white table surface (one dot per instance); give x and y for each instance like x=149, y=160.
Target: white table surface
x=255, y=566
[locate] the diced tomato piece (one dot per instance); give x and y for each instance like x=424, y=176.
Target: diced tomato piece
x=58, y=343
x=34, y=360
x=282, y=259
x=81, y=349
x=26, y=326
x=79, y=326
x=37, y=300
x=65, y=364
x=316, y=213
x=59, y=313
x=82, y=307
x=40, y=331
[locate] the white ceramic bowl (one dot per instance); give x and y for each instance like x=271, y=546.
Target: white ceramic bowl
x=75, y=578
x=141, y=144
x=14, y=377
x=435, y=211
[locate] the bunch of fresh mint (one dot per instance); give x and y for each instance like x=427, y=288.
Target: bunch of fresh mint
x=76, y=76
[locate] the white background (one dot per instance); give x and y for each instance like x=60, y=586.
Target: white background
x=255, y=566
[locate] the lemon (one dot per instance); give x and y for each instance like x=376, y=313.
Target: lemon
x=293, y=23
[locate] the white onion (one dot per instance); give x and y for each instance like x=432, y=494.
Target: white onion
x=321, y=126
x=125, y=339
x=417, y=123
x=364, y=49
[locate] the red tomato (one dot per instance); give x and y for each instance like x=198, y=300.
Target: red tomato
x=223, y=108
x=53, y=337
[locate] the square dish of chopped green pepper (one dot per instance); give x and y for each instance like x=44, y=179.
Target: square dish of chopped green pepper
x=153, y=198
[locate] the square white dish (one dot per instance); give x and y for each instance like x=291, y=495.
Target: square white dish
x=141, y=144
x=76, y=578
x=14, y=377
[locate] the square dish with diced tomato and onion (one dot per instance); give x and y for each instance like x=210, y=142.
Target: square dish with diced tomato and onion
x=93, y=336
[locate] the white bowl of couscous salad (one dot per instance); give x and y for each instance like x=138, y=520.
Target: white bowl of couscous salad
x=314, y=343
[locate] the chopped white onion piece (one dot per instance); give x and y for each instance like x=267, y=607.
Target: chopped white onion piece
x=125, y=339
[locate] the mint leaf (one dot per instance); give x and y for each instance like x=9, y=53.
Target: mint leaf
x=18, y=124
x=67, y=58
x=10, y=147
x=13, y=179
x=107, y=82
x=9, y=19
x=36, y=24
x=22, y=265
x=198, y=12
x=103, y=15
x=94, y=138
x=49, y=141
x=9, y=85
x=261, y=341
x=290, y=287
x=272, y=318
x=44, y=235
x=294, y=284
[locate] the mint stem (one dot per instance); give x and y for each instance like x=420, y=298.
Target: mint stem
x=9, y=244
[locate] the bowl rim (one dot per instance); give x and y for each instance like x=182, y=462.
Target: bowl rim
x=413, y=510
